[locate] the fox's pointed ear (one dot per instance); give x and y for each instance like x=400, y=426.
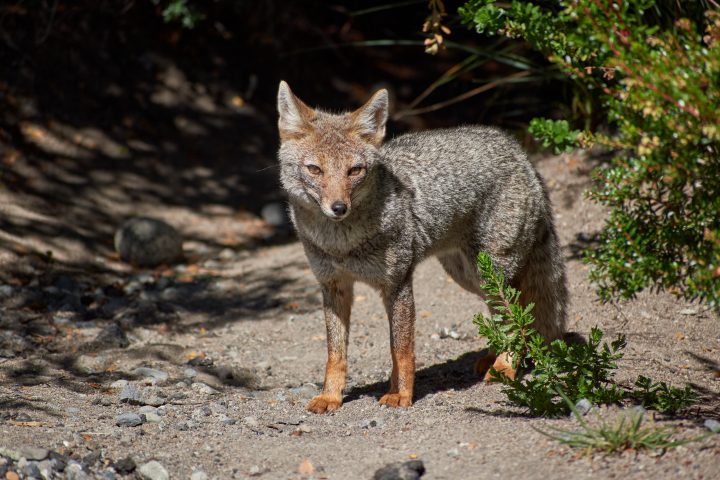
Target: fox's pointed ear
x=294, y=115
x=369, y=121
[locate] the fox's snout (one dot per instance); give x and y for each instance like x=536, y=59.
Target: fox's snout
x=335, y=209
x=339, y=208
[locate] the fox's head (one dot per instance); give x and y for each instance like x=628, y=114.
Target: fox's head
x=325, y=158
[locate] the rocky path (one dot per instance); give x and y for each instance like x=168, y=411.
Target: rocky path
x=203, y=370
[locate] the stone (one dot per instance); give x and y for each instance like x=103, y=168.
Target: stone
x=34, y=453
x=148, y=242
x=130, y=394
x=153, y=373
x=372, y=422
x=203, y=388
x=152, y=418
x=250, y=422
x=129, y=420
x=112, y=336
x=10, y=453
x=453, y=452
x=153, y=470
x=119, y=384
x=124, y=466
x=198, y=475
x=712, y=425
x=136, y=396
x=412, y=470
x=30, y=470
x=583, y=406
x=74, y=471
x=201, y=412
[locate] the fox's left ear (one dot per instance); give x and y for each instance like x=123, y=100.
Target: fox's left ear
x=370, y=119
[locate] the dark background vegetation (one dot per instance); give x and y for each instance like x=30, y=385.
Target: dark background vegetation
x=98, y=64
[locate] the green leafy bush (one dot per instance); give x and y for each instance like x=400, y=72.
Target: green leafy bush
x=179, y=11
x=658, y=77
x=559, y=371
x=660, y=396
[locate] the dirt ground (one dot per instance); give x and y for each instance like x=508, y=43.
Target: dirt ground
x=237, y=336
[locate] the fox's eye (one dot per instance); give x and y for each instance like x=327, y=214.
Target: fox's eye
x=314, y=169
x=355, y=171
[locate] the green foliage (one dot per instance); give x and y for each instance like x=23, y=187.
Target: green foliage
x=657, y=75
x=556, y=134
x=626, y=432
x=179, y=11
x=661, y=397
x=560, y=371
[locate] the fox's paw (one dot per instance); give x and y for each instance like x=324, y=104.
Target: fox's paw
x=396, y=400
x=324, y=403
x=502, y=364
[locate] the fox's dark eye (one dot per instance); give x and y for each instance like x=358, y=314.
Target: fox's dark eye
x=314, y=169
x=355, y=171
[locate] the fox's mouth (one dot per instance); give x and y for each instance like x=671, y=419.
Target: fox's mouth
x=335, y=218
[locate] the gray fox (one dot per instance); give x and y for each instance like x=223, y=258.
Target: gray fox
x=370, y=211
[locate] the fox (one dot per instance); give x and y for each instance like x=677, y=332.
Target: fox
x=368, y=210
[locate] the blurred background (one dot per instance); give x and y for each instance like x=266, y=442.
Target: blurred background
x=111, y=108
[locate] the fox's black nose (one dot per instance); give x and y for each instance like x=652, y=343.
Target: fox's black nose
x=339, y=208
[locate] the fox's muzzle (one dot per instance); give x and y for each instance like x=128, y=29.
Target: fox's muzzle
x=337, y=210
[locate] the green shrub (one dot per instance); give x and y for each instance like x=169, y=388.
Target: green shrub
x=562, y=374
x=658, y=77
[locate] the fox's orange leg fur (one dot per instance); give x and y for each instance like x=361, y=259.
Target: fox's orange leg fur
x=502, y=363
x=400, y=308
x=337, y=302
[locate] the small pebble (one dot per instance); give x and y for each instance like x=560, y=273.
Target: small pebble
x=153, y=470
x=129, y=420
x=583, y=406
x=198, y=475
x=712, y=425
x=124, y=466
x=412, y=470
x=203, y=388
x=119, y=384
x=154, y=373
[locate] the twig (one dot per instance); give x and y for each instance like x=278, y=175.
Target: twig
x=460, y=98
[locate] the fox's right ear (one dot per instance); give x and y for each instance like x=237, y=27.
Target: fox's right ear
x=295, y=116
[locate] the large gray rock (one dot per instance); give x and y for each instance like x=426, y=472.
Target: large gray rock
x=147, y=242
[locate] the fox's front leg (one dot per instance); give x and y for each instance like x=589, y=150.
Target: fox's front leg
x=337, y=302
x=400, y=307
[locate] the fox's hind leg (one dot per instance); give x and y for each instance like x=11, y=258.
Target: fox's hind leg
x=462, y=269
x=541, y=281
